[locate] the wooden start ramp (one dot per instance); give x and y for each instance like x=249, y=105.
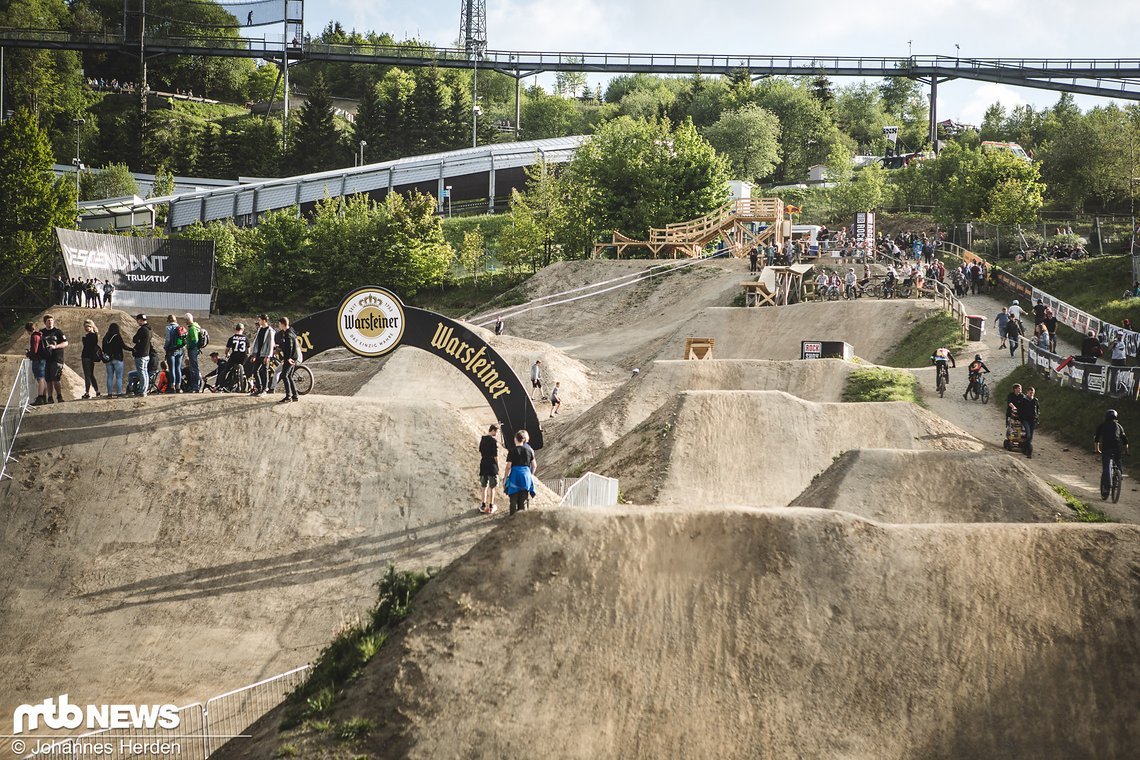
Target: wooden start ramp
x=732, y=223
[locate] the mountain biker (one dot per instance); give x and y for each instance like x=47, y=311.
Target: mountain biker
x=1107, y=441
x=821, y=285
x=237, y=351
x=939, y=359
x=975, y=369
x=849, y=283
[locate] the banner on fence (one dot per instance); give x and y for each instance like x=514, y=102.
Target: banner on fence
x=1101, y=379
x=148, y=273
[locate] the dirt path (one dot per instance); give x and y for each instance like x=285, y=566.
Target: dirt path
x=1078, y=469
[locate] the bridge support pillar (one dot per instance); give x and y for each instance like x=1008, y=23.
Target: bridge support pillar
x=934, y=114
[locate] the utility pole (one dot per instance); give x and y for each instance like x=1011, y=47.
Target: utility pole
x=78, y=123
x=473, y=39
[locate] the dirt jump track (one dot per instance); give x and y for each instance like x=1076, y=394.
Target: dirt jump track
x=792, y=577
x=769, y=633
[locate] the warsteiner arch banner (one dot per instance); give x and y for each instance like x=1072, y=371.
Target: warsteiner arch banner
x=148, y=273
x=371, y=322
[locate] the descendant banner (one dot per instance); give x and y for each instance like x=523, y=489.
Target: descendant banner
x=148, y=273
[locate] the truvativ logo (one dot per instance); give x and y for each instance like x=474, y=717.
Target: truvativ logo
x=60, y=714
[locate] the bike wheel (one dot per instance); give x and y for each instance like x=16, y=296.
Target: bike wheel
x=904, y=291
x=974, y=394
x=1117, y=477
x=302, y=379
x=985, y=394
x=941, y=386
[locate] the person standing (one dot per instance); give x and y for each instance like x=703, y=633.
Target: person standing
x=753, y=258
x=1030, y=413
x=489, y=469
x=193, y=336
x=1110, y=442
x=555, y=399
x=287, y=347
x=140, y=351
x=536, y=379
x=37, y=354
x=262, y=351
x=55, y=341
x=1117, y=350
x=519, y=476
x=1051, y=328
x=1001, y=320
x=108, y=292
x=90, y=356
x=173, y=343
x=498, y=325
x=113, y=350
x=237, y=351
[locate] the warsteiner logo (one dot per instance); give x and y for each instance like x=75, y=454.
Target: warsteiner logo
x=371, y=322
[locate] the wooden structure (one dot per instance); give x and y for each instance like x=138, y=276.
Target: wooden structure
x=732, y=224
x=699, y=348
x=778, y=286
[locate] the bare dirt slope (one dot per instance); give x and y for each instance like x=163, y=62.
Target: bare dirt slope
x=758, y=448
x=934, y=486
x=174, y=548
x=769, y=633
x=636, y=398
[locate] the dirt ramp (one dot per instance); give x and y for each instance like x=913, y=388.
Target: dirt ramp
x=174, y=548
x=759, y=448
x=934, y=487
x=767, y=633
x=658, y=383
x=872, y=327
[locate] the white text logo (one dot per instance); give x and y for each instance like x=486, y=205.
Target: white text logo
x=61, y=714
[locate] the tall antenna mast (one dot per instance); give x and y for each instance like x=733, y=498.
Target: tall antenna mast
x=473, y=27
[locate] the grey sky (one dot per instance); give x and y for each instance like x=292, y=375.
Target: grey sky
x=983, y=28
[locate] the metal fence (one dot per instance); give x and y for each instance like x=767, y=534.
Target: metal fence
x=202, y=729
x=591, y=490
x=15, y=408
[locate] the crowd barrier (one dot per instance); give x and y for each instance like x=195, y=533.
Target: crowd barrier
x=17, y=405
x=591, y=490
x=1101, y=379
x=203, y=727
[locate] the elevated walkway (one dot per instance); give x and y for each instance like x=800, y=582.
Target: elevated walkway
x=733, y=224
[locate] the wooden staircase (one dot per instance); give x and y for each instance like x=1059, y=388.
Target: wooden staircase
x=731, y=223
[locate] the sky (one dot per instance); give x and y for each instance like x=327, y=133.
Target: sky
x=981, y=28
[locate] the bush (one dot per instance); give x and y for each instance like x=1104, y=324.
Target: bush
x=881, y=384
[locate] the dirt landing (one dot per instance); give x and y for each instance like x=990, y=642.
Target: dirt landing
x=771, y=633
x=658, y=383
x=759, y=448
x=174, y=548
x=934, y=487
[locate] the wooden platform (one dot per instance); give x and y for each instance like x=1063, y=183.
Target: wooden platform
x=731, y=223
x=699, y=348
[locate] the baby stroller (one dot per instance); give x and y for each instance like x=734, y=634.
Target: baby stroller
x=1015, y=436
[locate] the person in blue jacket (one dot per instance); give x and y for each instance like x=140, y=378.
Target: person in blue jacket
x=519, y=477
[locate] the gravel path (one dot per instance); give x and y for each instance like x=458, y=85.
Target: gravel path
x=1078, y=469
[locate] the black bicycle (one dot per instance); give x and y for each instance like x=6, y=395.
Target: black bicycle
x=1111, y=487
x=943, y=377
x=980, y=390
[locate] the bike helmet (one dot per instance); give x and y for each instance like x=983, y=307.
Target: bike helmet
x=1110, y=414
x=977, y=357
x=1015, y=302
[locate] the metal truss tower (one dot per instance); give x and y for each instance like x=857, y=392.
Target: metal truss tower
x=473, y=26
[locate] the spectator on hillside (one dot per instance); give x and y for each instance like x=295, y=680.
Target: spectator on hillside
x=141, y=349
x=489, y=469
x=290, y=352
x=1038, y=312
x=173, y=343
x=1090, y=348
x=499, y=325
x=37, y=353
x=56, y=341
x=108, y=292
x=555, y=399
x=113, y=350
x=1041, y=337
x=58, y=290
x=1051, y=328
x=262, y=351
x=753, y=258
x=193, y=335
x=91, y=354
x=1013, y=333
x=536, y=380
x=1117, y=350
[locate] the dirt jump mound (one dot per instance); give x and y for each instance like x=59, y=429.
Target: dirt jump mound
x=934, y=487
x=758, y=448
x=658, y=383
x=174, y=548
x=766, y=633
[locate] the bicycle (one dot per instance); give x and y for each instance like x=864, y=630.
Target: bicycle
x=980, y=390
x=302, y=375
x=1116, y=475
x=943, y=376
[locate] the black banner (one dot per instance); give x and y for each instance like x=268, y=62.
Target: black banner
x=372, y=322
x=150, y=273
x=1101, y=379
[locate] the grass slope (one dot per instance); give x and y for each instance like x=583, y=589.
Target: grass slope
x=1093, y=285
x=881, y=384
x=933, y=332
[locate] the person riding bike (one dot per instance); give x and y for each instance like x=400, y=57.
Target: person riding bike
x=975, y=370
x=237, y=353
x=821, y=285
x=1107, y=441
x=939, y=359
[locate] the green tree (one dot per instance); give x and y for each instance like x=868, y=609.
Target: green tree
x=394, y=89
x=859, y=114
x=472, y=252
x=808, y=135
x=867, y=190
x=570, y=83
x=317, y=144
x=540, y=228
x=545, y=115
x=112, y=181
x=33, y=201
x=426, y=111
x=634, y=175
x=905, y=103
x=749, y=138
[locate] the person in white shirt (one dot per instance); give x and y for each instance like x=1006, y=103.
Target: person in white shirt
x=1014, y=310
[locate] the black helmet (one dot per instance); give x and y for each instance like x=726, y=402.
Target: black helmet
x=977, y=357
x=1110, y=414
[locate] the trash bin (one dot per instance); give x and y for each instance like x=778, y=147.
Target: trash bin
x=977, y=326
